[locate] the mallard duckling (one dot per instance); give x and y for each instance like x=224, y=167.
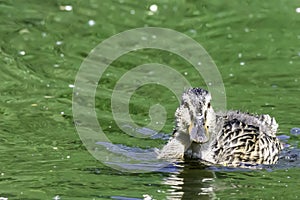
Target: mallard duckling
x=232, y=138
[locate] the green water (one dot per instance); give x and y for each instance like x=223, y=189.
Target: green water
x=255, y=44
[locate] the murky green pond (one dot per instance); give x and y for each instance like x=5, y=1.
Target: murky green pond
x=255, y=44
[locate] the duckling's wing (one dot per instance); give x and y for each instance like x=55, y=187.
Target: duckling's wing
x=239, y=143
x=266, y=123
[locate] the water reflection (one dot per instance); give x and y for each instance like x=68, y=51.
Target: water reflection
x=190, y=182
x=190, y=179
x=186, y=180
x=193, y=180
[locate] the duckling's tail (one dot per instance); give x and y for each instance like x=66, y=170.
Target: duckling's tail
x=269, y=121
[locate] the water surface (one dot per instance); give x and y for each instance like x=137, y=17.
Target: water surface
x=255, y=44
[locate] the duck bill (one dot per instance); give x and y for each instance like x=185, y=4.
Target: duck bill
x=198, y=133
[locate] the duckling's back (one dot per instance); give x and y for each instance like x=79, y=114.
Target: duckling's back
x=246, y=140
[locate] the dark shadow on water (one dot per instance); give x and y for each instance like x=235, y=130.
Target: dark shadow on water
x=193, y=181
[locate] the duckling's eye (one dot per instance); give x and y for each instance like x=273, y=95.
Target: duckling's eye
x=208, y=105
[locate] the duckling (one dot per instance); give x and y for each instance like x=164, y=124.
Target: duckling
x=231, y=138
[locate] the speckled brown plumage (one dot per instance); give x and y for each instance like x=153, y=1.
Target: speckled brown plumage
x=239, y=143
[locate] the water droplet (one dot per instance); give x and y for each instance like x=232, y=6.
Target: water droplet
x=62, y=113
x=242, y=63
x=199, y=63
x=47, y=97
x=71, y=86
x=185, y=73
x=247, y=30
x=298, y=10
x=91, y=22
x=66, y=7
x=58, y=42
x=132, y=12
x=22, y=53
x=57, y=197
x=229, y=36
x=23, y=31
x=291, y=62
x=240, y=55
x=153, y=8
x=231, y=75
x=193, y=31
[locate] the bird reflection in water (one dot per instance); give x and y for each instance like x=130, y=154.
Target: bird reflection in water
x=191, y=181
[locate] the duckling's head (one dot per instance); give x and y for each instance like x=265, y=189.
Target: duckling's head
x=193, y=114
